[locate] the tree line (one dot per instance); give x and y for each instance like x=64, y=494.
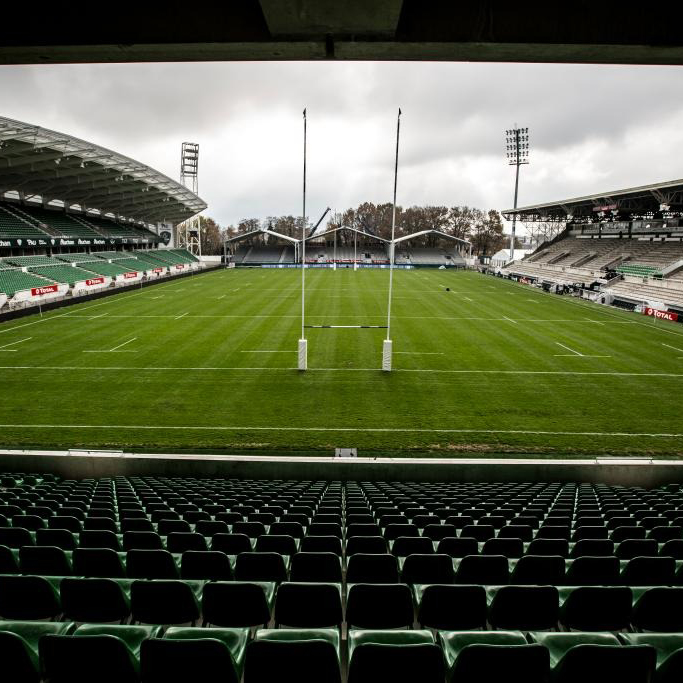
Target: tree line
x=484, y=229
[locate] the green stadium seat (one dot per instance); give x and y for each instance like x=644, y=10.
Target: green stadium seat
x=98, y=538
x=175, y=658
x=394, y=656
x=206, y=564
x=372, y=568
x=254, y=566
x=301, y=655
x=669, y=649
x=324, y=544
x=473, y=657
x=483, y=569
x=451, y=607
x=237, y=603
x=428, y=568
x=231, y=544
x=151, y=564
x=524, y=608
x=379, y=606
x=366, y=545
x=308, y=605
x=647, y=571
x=19, y=646
x=277, y=543
x=44, y=560
x=411, y=545
x=29, y=597
x=596, y=657
x=658, y=609
x=60, y=538
x=593, y=571
x=596, y=608
x=325, y=567
x=103, y=653
x=95, y=600
x=9, y=561
x=98, y=562
x=165, y=602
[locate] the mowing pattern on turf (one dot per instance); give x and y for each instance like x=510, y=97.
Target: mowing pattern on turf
x=209, y=362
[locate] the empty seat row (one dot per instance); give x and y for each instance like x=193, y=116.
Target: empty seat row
x=67, y=653
x=313, y=604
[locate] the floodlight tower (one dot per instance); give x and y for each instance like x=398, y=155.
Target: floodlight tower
x=189, y=230
x=517, y=151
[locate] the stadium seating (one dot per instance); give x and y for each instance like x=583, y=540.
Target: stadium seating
x=15, y=280
x=110, y=561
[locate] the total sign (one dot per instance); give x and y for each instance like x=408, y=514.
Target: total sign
x=37, y=291
x=663, y=315
x=95, y=281
x=129, y=276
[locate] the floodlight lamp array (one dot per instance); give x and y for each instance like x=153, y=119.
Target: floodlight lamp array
x=517, y=146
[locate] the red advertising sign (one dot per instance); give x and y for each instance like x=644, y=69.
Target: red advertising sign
x=158, y=270
x=663, y=315
x=95, y=281
x=128, y=276
x=37, y=291
x=179, y=266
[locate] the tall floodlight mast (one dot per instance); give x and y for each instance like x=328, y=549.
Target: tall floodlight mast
x=517, y=152
x=189, y=230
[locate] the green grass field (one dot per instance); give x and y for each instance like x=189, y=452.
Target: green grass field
x=208, y=364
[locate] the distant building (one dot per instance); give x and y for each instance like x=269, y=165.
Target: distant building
x=500, y=258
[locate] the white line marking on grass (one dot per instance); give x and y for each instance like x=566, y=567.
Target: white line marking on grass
x=574, y=354
x=409, y=430
x=237, y=290
x=222, y=297
x=672, y=347
x=597, y=322
x=4, y=348
x=422, y=353
x=512, y=321
x=116, y=348
x=161, y=296
x=468, y=299
x=668, y=375
x=178, y=317
x=259, y=351
x=534, y=301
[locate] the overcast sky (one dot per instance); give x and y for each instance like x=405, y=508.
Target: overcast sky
x=592, y=128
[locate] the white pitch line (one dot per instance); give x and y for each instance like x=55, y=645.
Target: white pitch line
x=510, y=320
x=666, y=375
x=468, y=299
x=258, y=351
x=4, y=348
x=409, y=430
x=422, y=353
x=222, y=297
x=672, y=347
x=158, y=297
x=576, y=353
x=101, y=315
x=116, y=348
x=178, y=317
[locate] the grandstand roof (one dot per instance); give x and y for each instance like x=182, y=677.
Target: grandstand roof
x=467, y=30
x=635, y=200
x=316, y=236
x=261, y=231
x=405, y=238
x=57, y=166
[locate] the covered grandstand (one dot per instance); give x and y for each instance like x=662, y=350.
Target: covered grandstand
x=624, y=245
x=345, y=246
x=64, y=201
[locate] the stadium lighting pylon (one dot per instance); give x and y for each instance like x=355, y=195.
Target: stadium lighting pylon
x=303, y=342
x=386, y=347
x=517, y=152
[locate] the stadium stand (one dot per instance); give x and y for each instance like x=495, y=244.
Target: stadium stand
x=583, y=579
x=264, y=255
x=12, y=224
x=15, y=280
x=21, y=273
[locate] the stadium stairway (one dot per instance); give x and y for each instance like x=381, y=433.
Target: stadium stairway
x=140, y=578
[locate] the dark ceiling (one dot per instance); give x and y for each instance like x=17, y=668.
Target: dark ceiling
x=584, y=31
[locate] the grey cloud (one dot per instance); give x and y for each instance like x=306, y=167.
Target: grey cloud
x=247, y=119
